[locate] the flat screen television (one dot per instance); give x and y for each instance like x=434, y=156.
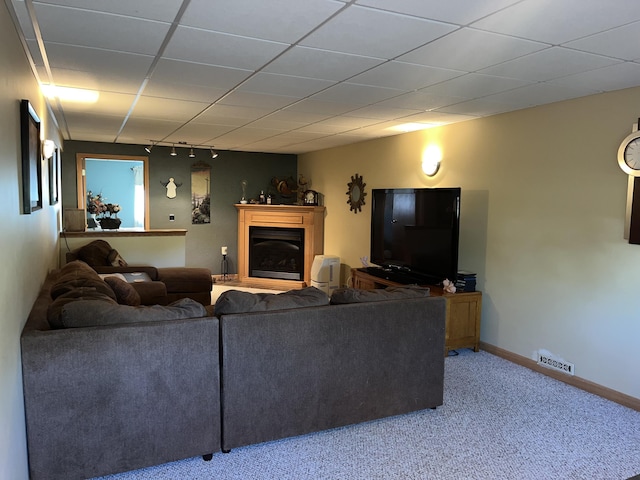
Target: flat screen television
x=415, y=233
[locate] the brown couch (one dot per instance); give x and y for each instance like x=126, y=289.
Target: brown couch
x=163, y=285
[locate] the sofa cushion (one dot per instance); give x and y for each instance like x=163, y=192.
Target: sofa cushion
x=78, y=274
x=237, y=301
x=125, y=293
x=95, y=253
x=356, y=295
x=91, y=313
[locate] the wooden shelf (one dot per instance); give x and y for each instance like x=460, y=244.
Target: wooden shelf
x=464, y=310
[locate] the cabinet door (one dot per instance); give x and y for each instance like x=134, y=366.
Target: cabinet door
x=463, y=321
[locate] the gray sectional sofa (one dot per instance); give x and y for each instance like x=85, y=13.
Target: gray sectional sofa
x=102, y=399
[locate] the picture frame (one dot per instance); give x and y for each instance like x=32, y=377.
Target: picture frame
x=31, y=158
x=54, y=177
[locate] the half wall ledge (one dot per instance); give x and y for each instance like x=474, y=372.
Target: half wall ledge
x=161, y=248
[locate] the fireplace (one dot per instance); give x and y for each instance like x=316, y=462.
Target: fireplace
x=297, y=232
x=276, y=253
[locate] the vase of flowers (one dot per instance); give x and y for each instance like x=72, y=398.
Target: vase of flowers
x=105, y=214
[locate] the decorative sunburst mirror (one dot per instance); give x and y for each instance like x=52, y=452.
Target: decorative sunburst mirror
x=356, y=193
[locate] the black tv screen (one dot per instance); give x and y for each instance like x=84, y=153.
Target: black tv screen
x=415, y=232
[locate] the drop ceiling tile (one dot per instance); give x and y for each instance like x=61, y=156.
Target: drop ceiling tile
x=110, y=104
x=142, y=130
x=259, y=100
x=82, y=125
x=461, y=12
x=351, y=32
x=274, y=84
x=232, y=114
x=420, y=100
x=289, y=115
x=539, y=94
x=190, y=73
x=381, y=112
x=163, y=10
x=319, y=107
x=213, y=48
x=167, y=109
x=277, y=20
x=469, y=50
x=270, y=122
x=97, y=61
x=356, y=94
x=321, y=64
x=619, y=42
x=199, y=133
x=479, y=107
x=404, y=76
x=85, y=28
x=181, y=91
x=107, y=82
x=614, y=77
x=557, y=22
x=554, y=62
x=474, y=85
x=436, y=118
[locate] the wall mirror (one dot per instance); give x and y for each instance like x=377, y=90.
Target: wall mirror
x=121, y=181
x=356, y=193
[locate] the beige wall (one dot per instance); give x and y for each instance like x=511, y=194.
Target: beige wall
x=543, y=203
x=29, y=243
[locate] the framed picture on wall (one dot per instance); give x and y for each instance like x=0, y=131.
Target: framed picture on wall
x=31, y=158
x=54, y=177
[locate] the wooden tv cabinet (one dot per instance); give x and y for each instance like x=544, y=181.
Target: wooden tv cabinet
x=462, y=329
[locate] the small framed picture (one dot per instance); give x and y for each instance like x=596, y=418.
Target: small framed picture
x=31, y=158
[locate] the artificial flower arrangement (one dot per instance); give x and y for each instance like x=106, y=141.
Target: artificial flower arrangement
x=106, y=213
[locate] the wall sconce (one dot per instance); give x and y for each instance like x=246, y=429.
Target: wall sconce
x=48, y=147
x=431, y=159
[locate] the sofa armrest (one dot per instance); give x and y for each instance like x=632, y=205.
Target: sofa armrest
x=107, y=399
x=148, y=269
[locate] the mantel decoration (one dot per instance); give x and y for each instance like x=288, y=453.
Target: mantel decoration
x=104, y=214
x=356, y=193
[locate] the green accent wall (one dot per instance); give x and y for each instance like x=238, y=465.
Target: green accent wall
x=203, y=242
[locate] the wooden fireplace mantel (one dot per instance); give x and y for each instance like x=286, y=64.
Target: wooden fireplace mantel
x=309, y=218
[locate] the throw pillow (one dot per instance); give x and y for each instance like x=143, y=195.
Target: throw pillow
x=356, y=295
x=92, y=313
x=95, y=253
x=55, y=312
x=78, y=274
x=125, y=293
x=115, y=260
x=237, y=301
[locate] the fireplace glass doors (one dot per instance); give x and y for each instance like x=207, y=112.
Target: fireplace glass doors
x=276, y=253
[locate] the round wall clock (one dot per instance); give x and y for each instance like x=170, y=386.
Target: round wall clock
x=356, y=193
x=629, y=154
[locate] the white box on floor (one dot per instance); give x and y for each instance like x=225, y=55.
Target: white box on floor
x=325, y=273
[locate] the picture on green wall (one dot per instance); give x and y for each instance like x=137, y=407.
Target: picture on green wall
x=200, y=193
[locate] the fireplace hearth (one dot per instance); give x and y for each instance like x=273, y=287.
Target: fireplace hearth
x=276, y=253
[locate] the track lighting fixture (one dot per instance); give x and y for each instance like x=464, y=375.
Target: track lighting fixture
x=174, y=152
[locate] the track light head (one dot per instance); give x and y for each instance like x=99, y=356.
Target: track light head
x=191, y=153
x=214, y=154
x=148, y=149
x=173, y=151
